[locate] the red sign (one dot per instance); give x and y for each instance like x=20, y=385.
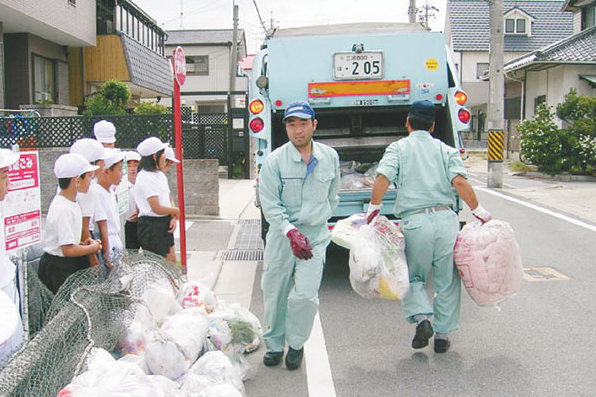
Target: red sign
x=22, y=205
x=179, y=65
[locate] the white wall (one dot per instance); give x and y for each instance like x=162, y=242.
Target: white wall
x=555, y=83
x=54, y=20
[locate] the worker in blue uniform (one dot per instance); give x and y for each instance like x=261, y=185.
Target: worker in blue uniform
x=298, y=189
x=427, y=173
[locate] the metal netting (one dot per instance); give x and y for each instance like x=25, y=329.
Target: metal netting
x=88, y=311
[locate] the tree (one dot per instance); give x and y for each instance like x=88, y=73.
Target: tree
x=111, y=99
x=150, y=108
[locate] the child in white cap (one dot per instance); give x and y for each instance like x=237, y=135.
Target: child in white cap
x=96, y=154
x=157, y=215
x=131, y=239
x=165, y=168
x=64, y=252
x=105, y=132
x=13, y=335
x=106, y=216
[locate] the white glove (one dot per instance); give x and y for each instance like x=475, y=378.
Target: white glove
x=481, y=214
x=372, y=211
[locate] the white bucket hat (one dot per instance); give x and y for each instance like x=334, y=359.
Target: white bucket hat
x=70, y=165
x=8, y=158
x=104, y=131
x=170, y=155
x=151, y=146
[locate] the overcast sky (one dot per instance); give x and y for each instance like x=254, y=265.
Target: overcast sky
x=217, y=14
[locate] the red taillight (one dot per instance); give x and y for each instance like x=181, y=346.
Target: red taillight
x=256, y=106
x=256, y=124
x=463, y=115
x=439, y=97
x=461, y=97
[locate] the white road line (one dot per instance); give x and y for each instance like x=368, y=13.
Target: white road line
x=481, y=181
x=318, y=371
x=187, y=225
x=538, y=208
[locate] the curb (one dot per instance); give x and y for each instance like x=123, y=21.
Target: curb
x=558, y=177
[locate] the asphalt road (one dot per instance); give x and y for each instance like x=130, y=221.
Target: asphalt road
x=540, y=344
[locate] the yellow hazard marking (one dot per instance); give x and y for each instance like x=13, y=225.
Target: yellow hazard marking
x=347, y=88
x=431, y=64
x=496, y=145
x=543, y=274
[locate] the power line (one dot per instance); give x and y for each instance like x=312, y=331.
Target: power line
x=260, y=19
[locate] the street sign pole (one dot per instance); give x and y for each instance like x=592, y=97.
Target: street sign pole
x=179, y=65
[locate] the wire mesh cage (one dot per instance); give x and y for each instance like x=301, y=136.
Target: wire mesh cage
x=89, y=310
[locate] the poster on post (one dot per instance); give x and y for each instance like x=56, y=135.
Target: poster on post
x=22, y=205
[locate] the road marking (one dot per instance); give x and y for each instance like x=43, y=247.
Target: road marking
x=318, y=371
x=543, y=274
x=187, y=225
x=481, y=181
x=537, y=208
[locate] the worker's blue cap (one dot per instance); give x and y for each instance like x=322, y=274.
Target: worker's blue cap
x=424, y=110
x=299, y=109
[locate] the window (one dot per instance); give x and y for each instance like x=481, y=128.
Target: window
x=481, y=69
x=539, y=100
x=520, y=26
x=197, y=65
x=44, y=78
x=588, y=17
x=516, y=26
x=510, y=25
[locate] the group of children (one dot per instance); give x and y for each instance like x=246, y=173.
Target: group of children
x=83, y=224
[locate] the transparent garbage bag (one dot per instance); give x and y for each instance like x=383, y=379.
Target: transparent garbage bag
x=345, y=230
x=211, y=369
x=378, y=267
x=489, y=262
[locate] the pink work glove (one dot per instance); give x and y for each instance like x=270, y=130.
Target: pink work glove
x=300, y=245
x=481, y=214
x=372, y=212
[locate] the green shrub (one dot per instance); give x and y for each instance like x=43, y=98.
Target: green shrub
x=150, y=108
x=111, y=98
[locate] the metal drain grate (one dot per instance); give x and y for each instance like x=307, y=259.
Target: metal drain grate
x=249, y=222
x=242, y=255
x=249, y=235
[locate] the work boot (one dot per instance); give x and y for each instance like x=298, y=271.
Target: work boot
x=442, y=345
x=424, y=330
x=272, y=358
x=294, y=358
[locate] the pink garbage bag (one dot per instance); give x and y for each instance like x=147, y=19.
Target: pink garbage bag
x=489, y=261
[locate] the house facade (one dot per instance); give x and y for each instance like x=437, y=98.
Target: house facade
x=208, y=54
x=527, y=26
x=61, y=51
x=547, y=74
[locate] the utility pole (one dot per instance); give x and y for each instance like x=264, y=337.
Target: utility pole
x=496, y=136
x=234, y=53
x=412, y=12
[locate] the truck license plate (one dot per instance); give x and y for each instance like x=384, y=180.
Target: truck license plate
x=353, y=66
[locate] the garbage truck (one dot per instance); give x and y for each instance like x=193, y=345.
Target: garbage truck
x=361, y=80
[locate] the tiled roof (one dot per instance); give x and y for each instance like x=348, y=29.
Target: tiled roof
x=470, y=26
x=580, y=48
x=147, y=68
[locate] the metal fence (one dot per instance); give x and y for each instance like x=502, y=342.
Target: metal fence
x=206, y=137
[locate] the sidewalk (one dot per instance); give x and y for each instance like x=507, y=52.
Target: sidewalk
x=574, y=197
x=230, y=280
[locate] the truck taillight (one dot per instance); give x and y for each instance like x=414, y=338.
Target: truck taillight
x=461, y=97
x=463, y=115
x=256, y=106
x=256, y=124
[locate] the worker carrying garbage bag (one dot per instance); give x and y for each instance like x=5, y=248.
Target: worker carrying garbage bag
x=427, y=174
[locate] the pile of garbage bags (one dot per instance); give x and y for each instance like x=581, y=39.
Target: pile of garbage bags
x=489, y=262
x=356, y=175
x=378, y=267
x=181, y=343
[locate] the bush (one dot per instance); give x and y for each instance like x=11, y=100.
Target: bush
x=542, y=144
x=150, y=108
x=111, y=98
